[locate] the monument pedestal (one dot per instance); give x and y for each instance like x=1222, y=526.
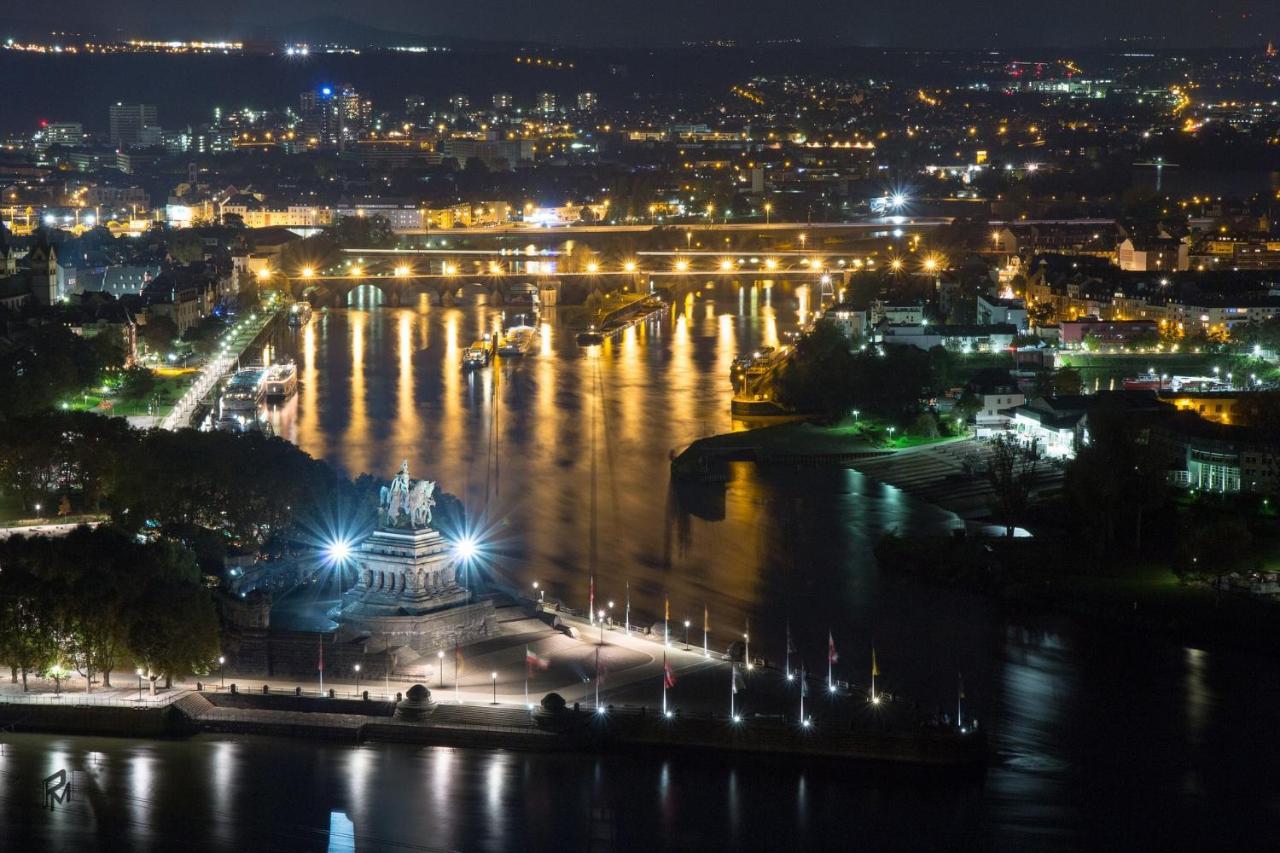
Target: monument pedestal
x=407, y=594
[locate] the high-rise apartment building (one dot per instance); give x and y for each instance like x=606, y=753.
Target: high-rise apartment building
x=335, y=115
x=127, y=122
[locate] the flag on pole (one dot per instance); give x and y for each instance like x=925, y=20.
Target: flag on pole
x=832, y=656
x=706, y=620
x=668, y=677
x=666, y=608
x=533, y=659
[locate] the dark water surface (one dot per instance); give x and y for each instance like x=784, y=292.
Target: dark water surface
x=1102, y=740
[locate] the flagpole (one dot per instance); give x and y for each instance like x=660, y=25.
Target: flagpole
x=959, y=700
x=874, y=673
x=733, y=689
x=666, y=623
x=591, y=601
x=831, y=644
x=746, y=636
x=457, y=697
x=664, y=682
x=320, y=643
x=803, y=690
x=628, y=608
x=706, y=628
x=597, y=678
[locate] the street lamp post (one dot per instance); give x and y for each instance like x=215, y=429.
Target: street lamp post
x=600, y=616
x=494, y=676
x=440, y=666
x=222, y=670
x=357, y=679
x=686, y=635
x=139, y=672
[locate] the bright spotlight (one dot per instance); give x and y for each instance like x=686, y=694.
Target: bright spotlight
x=465, y=548
x=897, y=200
x=737, y=718
x=338, y=551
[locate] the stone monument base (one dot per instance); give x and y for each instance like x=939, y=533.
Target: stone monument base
x=425, y=633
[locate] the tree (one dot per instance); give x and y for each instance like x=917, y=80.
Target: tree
x=138, y=383
x=158, y=333
x=28, y=630
x=1117, y=478
x=172, y=627
x=1012, y=474
x=1066, y=382
x=185, y=246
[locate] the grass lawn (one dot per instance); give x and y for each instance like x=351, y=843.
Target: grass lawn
x=170, y=385
x=802, y=438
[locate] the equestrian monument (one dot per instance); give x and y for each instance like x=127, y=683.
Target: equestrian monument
x=407, y=598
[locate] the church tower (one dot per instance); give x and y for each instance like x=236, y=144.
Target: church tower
x=42, y=266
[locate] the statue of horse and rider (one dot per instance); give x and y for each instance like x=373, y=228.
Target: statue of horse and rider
x=406, y=503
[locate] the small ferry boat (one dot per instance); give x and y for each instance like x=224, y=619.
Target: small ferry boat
x=479, y=354
x=590, y=337
x=518, y=340
x=299, y=314
x=281, y=381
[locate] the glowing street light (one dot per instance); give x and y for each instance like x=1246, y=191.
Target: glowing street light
x=264, y=273
x=686, y=635
x=629, y=266
x=896, y=264
x=222, y=669
x=682, y=265
x=593, y=267
x=357, y=679
x=768, y=208
x=402, y=271
x=494, y=676
x=771, y=263
x=308, y=272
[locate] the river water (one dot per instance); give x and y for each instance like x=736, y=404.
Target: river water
x=1102, y=739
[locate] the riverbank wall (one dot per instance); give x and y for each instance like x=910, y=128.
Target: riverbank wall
x=611, y=730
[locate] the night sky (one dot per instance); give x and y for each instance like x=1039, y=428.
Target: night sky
x=926, y=23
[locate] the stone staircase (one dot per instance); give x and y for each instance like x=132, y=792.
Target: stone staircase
x=481, y=715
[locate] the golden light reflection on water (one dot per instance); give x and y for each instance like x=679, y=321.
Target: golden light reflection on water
x=356, y=437
x=389, y=383
x=308, y=432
